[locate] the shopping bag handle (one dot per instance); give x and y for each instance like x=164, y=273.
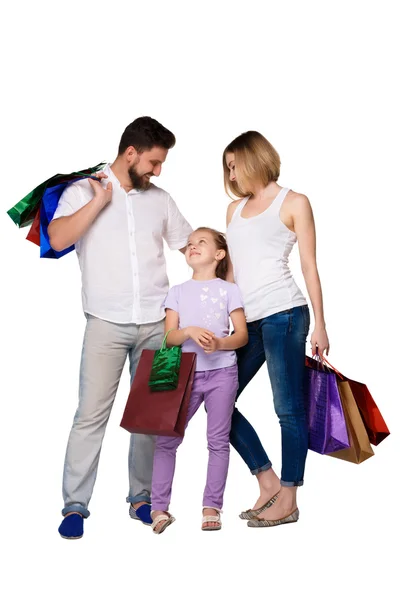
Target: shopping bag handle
x=164, y=343
x=323, y=359
x=332, y=367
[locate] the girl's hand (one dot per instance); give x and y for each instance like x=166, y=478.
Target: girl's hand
x=200, y=336
x=320, y=339
x=212, y=346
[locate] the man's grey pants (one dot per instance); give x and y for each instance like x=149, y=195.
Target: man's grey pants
x=105, y=348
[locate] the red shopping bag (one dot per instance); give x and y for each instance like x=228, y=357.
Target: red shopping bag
x=159, y=412
x=374, y=422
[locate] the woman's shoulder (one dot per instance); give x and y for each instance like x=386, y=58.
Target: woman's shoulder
x=293, y=197
x=232, y=206
x=234, y=203
x=296, y=202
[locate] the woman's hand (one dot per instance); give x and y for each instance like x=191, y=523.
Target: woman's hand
x=320, y=339
x=201, y=336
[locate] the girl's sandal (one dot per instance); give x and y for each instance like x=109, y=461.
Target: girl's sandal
x=212, y=519
x=165, y=519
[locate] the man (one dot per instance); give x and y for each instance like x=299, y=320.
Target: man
x=117, y=227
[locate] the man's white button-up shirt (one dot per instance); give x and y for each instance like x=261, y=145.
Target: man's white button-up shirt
x=121, y=256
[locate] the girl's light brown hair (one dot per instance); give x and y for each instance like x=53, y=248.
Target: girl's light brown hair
x=256, y=160
x=220, y=241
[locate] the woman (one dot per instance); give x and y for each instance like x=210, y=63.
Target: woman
x=262, y=227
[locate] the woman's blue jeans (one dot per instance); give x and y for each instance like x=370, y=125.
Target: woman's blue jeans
x=280, y=340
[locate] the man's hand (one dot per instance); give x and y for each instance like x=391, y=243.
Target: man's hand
x=199, y=335
x=102, y=196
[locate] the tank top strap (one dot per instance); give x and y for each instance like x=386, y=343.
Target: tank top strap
x=277, y=203
x=237, y=210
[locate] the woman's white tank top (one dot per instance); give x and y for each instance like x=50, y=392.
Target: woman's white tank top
x=259, y=248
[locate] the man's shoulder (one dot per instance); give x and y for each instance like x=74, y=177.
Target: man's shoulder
x=157, y=191
x=82, y=186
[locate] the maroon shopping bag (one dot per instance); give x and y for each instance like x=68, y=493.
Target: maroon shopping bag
x=374, y=422
x=159, y=412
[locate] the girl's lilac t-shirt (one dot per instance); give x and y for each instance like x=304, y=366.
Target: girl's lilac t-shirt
x=206, y=304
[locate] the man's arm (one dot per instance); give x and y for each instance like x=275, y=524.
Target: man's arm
x=177, y=230
x=66, y=231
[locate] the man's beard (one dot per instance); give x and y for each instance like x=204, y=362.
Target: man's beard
x=139, y=182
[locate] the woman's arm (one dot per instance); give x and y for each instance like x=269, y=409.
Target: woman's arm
x=304, y=227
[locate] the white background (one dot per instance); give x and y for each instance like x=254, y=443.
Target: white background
x=319, y=80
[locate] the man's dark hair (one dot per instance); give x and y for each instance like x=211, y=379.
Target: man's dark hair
x=144, y=133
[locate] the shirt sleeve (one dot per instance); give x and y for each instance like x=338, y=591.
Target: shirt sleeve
x=177, y=229
x=234, y=298
x=70, y=201
x=171, y=301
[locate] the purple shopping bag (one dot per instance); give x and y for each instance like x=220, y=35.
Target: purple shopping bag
x=327, y=431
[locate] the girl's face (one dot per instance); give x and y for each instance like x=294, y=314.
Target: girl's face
x=202, y=250
x=230, y=163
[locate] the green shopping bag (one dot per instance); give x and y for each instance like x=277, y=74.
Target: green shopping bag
x=165, y=368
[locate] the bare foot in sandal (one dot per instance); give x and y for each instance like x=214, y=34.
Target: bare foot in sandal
x=161, y=520
x=215, y=523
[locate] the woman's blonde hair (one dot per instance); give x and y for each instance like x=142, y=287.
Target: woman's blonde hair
x=255, y=160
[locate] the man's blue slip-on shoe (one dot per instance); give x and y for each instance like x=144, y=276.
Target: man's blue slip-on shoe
x=71, y=527
x=141, y=514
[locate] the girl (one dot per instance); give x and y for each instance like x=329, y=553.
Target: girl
x=262, y=227
x=198, y=313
